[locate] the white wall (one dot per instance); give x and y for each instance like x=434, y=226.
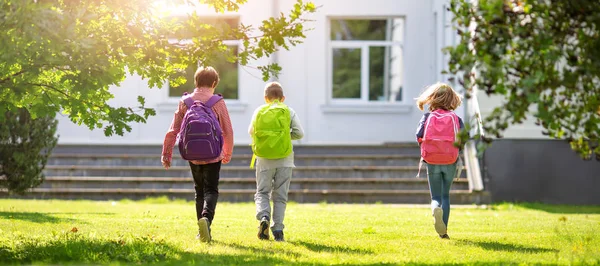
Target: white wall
x=527, y=130
x=306, y=82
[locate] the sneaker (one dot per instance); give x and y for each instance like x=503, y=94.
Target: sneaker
x=278, y=235
x=445, y=236
x=209, y=233
x=198, y=235
x=263, y=229
x=438, y=223
x=204, y=230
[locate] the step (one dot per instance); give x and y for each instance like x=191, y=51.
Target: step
x=351, y=174
x=233, y=171
x=247, y=195
x=237, y=160
x=69, y=182
x=399, y=148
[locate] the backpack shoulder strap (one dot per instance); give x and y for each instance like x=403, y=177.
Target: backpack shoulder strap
x=456, y=121
x=213, y=100
x=187, y=99
x=426, y=124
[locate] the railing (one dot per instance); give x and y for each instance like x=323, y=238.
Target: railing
x=471, y=159
x=473, y=112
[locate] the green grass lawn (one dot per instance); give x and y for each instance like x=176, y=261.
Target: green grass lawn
x=162, y=232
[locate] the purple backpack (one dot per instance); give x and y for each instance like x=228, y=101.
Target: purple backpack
x=200, y=136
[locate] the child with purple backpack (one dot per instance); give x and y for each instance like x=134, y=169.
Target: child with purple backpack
x=203, y=131
x=436, y=134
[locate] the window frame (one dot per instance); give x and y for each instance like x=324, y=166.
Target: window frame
x=231, y=43
x=364, y=46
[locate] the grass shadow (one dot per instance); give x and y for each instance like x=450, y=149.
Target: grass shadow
x=566, y=209
x=497, y=246
x=73, y=248
x=256, y=250
x=85, y=213
x=36, y=217
x=332, y=249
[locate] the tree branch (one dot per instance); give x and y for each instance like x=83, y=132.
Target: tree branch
x=67, y=95
x=62, y=68
x=50, y=87
x=12, y=76
x=290, y=26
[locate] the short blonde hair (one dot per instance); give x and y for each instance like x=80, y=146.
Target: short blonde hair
x=206, y=77
x=439, y=96
x=274, y=91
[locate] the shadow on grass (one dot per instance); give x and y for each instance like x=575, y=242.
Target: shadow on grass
x=36, y=217
x=497, y=246
x=71, y=248
x=256, y=250
x=566, y=209
x=85, y=213
x=332, y=249
x=76, y=249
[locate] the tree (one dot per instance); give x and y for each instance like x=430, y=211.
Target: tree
x=25, y=145
x=62, y=55
x=542, y=56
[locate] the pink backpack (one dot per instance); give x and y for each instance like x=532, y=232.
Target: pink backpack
x=439, y=136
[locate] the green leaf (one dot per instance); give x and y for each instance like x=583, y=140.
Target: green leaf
x=141, y=100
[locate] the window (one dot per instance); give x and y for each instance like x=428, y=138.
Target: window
x=366, y=59
x=228, y=72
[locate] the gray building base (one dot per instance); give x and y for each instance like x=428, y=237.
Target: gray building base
x=545, y=171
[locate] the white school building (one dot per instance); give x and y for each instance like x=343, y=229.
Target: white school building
x=352, y=81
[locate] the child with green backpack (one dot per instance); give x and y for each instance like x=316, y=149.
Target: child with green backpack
x=274, y=125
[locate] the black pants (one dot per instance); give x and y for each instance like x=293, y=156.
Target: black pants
x=206, y=184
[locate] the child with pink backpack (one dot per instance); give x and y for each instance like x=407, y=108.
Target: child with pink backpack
x=436, y=134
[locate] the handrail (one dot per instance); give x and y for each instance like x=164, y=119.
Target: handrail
x=471, y=160
x=473, y=111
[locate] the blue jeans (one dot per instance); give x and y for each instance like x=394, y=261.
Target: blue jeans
x=440, y=179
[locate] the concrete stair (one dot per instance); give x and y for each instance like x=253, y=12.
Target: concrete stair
x=351, y=174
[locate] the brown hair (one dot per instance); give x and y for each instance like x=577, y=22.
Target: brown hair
x=206, y=77
x=439, y=96
x=273, y=91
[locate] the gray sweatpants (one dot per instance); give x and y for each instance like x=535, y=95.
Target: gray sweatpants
x=275, y=183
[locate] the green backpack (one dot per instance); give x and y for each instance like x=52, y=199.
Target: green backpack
x=271, y=138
